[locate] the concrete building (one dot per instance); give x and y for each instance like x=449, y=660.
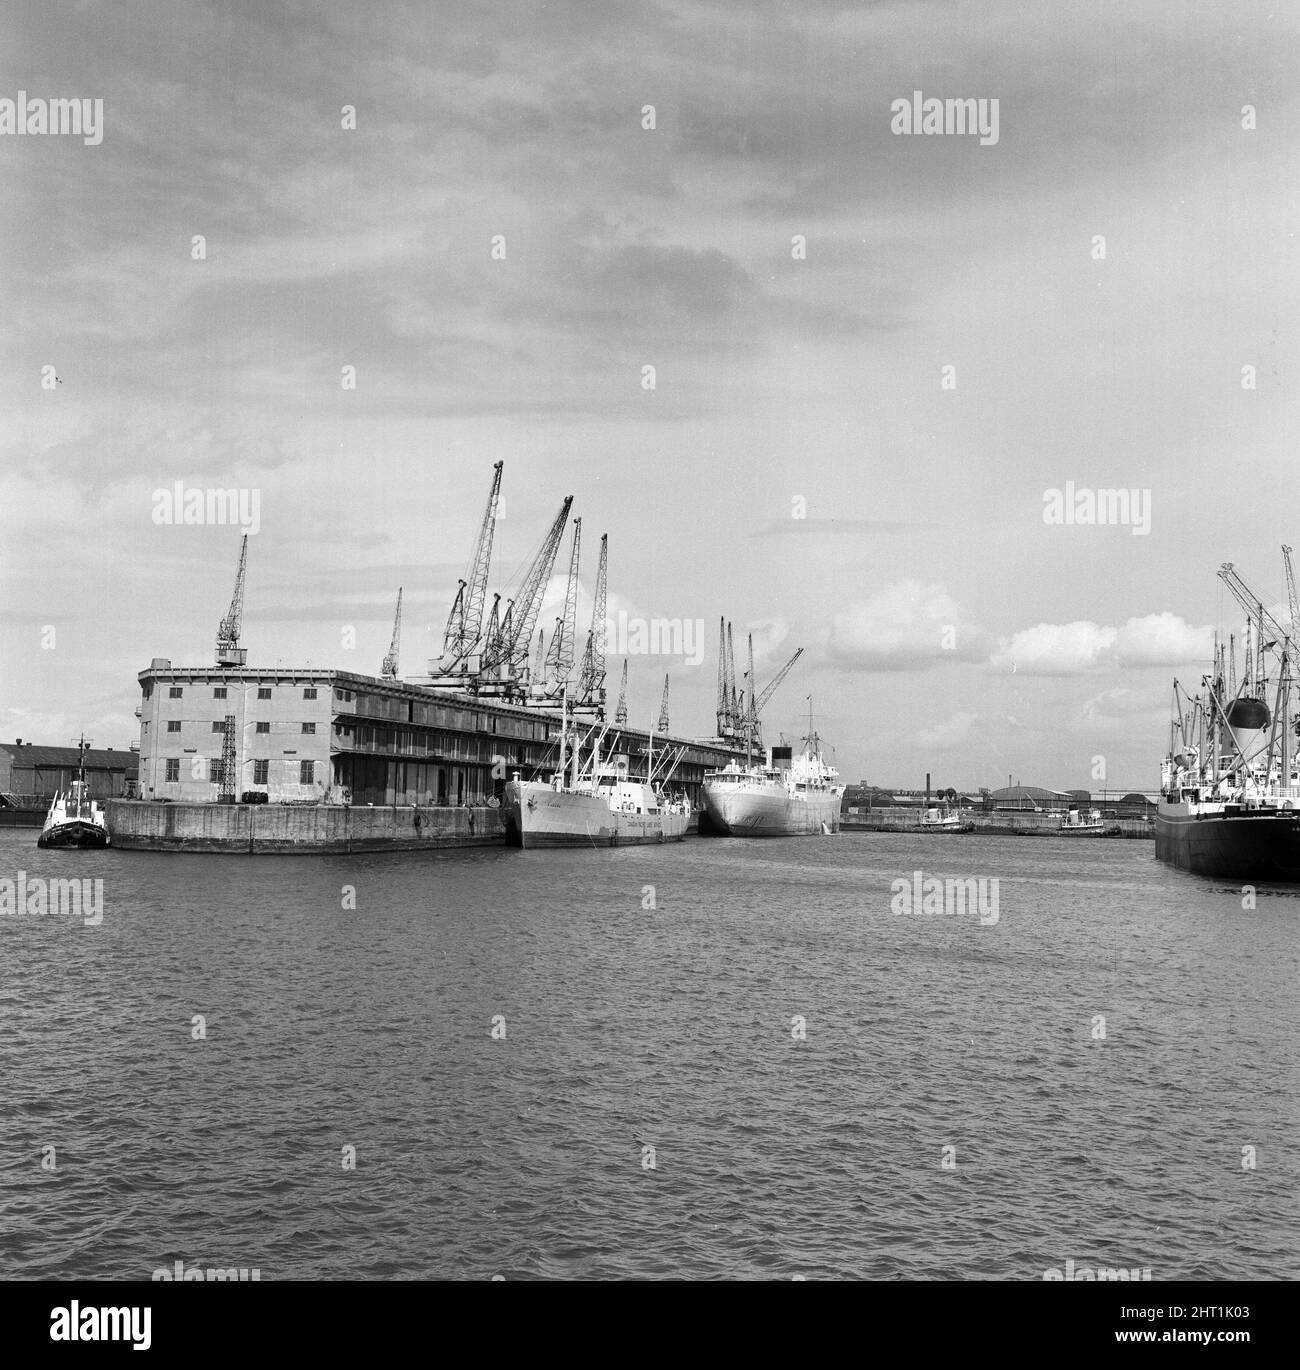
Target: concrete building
x=29, y=772
x=326, y=736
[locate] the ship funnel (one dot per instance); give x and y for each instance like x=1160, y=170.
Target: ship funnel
x=1247, y=719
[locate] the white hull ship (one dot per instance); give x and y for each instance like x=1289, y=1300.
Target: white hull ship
x=75, y=819
x=1229, y=803
x=786, y=797
x=599, y=807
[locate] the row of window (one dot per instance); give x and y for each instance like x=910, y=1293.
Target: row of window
x=220, y=692
x=174, y=726
x=261, y=772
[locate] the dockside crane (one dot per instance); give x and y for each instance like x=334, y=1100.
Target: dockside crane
x=504, y=663
x=559, y=660
x=620, y=713
x=734, y=702
x=662, y=725
x=388, y=671
x=465, y=622
x=229, y=653
x=722, y=676
x=591, y=676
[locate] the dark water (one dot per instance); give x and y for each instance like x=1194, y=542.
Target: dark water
x=668, y=1028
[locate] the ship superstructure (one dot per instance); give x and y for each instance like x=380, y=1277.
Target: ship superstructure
x=594, y=802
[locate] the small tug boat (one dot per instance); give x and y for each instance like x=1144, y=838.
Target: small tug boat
x=942, y=820
x=75, y=819
x=1077, y=823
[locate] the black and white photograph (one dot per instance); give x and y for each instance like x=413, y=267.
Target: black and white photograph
x=649, y=641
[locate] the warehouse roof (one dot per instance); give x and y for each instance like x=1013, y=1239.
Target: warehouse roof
x=96, y=759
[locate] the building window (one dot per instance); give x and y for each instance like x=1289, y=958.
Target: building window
x=219, y=725
x=309, y=694
x=173, y=725
x=173, y=770
x=309, y=727
x=214, y=772
x=263, y=727
x=260, y=770
x=264, y=692
x=175, y=692
x=219, y=692
x=306, y=772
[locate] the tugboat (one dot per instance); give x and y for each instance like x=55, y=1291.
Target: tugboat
x=1078, y=823
x=1229, y=801
x=75, y=819
x=601, y=806
x=941, y=820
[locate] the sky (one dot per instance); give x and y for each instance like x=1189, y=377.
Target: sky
x=875, y=354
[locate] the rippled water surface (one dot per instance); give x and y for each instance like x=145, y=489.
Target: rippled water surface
x=629, y=1028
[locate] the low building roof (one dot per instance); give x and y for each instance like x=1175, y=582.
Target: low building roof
x=97, y=759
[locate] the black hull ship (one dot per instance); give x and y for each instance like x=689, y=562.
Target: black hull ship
x=1229, y=803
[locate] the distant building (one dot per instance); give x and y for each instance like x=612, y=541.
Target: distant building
x=1030, y=798
x=29, y=772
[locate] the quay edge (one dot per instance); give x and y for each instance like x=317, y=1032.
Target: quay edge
x=298, y=829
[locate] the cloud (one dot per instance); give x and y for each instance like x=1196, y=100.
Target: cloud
x=1113, y=706
x=956, y=730
x=1081, y=647
x=903, y=626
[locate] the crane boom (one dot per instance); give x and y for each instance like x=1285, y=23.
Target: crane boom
x=722, y=676
x=591, y=680
x=775, y=681
x=733, y=704
x=465, y=622
x=662, y=725
x=620, y=713
x=559, y=660
x=1253, y=604
x=517, y=629
x=389, y=669
x=229, y=652
x=1290, y=591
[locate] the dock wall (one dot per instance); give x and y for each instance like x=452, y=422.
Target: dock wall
x=136, y=825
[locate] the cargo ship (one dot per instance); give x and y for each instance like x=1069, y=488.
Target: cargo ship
x=1229, y=802
x=596, y=805
x=785, y=797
